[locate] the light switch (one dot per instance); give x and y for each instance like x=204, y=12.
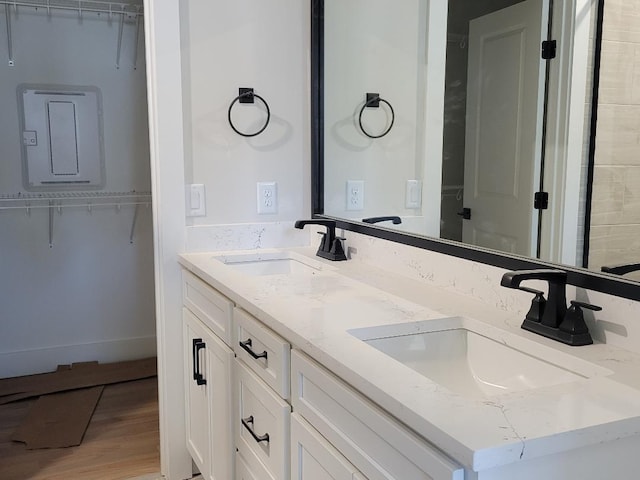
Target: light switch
x=413, y=195
x=196, y=205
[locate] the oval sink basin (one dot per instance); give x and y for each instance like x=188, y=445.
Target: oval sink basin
x=270, y=263
x=475, y=359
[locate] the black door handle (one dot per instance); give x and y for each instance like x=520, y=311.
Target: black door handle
x=465, y=213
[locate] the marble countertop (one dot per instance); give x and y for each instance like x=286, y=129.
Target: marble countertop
x=316, y=311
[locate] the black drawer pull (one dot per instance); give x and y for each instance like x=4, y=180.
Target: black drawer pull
x=246, y=345
x=198, y=345
x=248, y=424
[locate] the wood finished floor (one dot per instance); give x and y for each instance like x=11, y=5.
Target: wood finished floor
x=122, y=440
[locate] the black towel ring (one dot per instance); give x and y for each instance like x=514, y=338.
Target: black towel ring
x=373, y=100
x=246, y=95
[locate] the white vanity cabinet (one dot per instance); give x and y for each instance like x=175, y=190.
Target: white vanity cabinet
x=207, y=371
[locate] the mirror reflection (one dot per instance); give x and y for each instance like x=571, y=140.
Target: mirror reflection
x=614, y=220
x=484, y=144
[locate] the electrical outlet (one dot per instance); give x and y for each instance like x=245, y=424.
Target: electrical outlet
x=413, y=196
x=267, y=197
x=355, y=195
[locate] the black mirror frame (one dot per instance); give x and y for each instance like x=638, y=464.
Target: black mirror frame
x=583, y=278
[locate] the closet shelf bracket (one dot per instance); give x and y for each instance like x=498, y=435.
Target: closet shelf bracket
x=119, y=49
x=133, y=223
x=51, y=210
x=7, y=13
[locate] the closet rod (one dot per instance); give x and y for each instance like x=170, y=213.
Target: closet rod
x=80, y=6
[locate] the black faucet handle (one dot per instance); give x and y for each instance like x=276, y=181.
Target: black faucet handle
x=323, y=241
x=537, y=304
x=621, y=269
x=588, y=306
x=574, y=324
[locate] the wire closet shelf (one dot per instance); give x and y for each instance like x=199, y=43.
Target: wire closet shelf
x=72, y=199
x=58, y=201
x=80, y=6
x=118, y=10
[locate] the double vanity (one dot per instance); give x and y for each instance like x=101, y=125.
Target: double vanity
x=300, y=367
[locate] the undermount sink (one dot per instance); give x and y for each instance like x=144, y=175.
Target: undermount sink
x=271, y=263
x=473, y=358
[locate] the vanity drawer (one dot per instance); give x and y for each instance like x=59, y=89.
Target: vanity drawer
x=214, y=309
x=375, y=443
x=261, y=411
x=264, y=352
x=250, y=468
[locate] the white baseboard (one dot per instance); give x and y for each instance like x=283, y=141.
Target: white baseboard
x=27, y=362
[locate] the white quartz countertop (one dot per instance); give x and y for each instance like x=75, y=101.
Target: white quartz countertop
x=316, y=311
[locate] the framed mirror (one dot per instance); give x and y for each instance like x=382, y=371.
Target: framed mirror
x=471, y=122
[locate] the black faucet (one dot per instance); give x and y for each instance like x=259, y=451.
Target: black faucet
x=555, y=306
x=395, y=219
x=330, y=245
x=551, y=317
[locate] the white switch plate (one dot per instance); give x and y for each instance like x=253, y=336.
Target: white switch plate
x=267, y=197
x=355, y=195
x=195, y=200
x=413, y=198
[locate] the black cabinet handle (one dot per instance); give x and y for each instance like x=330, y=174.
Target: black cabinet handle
x=196, y=362
x=194, y=342
x=246, y=345
x=248, y=424
x=198, y=345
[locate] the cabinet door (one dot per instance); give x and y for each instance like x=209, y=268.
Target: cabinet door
x=313, y=458
x=208, y=402
x=197, y=412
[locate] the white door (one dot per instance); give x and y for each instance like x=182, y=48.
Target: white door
x=503, y=130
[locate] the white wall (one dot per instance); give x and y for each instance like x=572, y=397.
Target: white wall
x=90, y=296
x=263, y=45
